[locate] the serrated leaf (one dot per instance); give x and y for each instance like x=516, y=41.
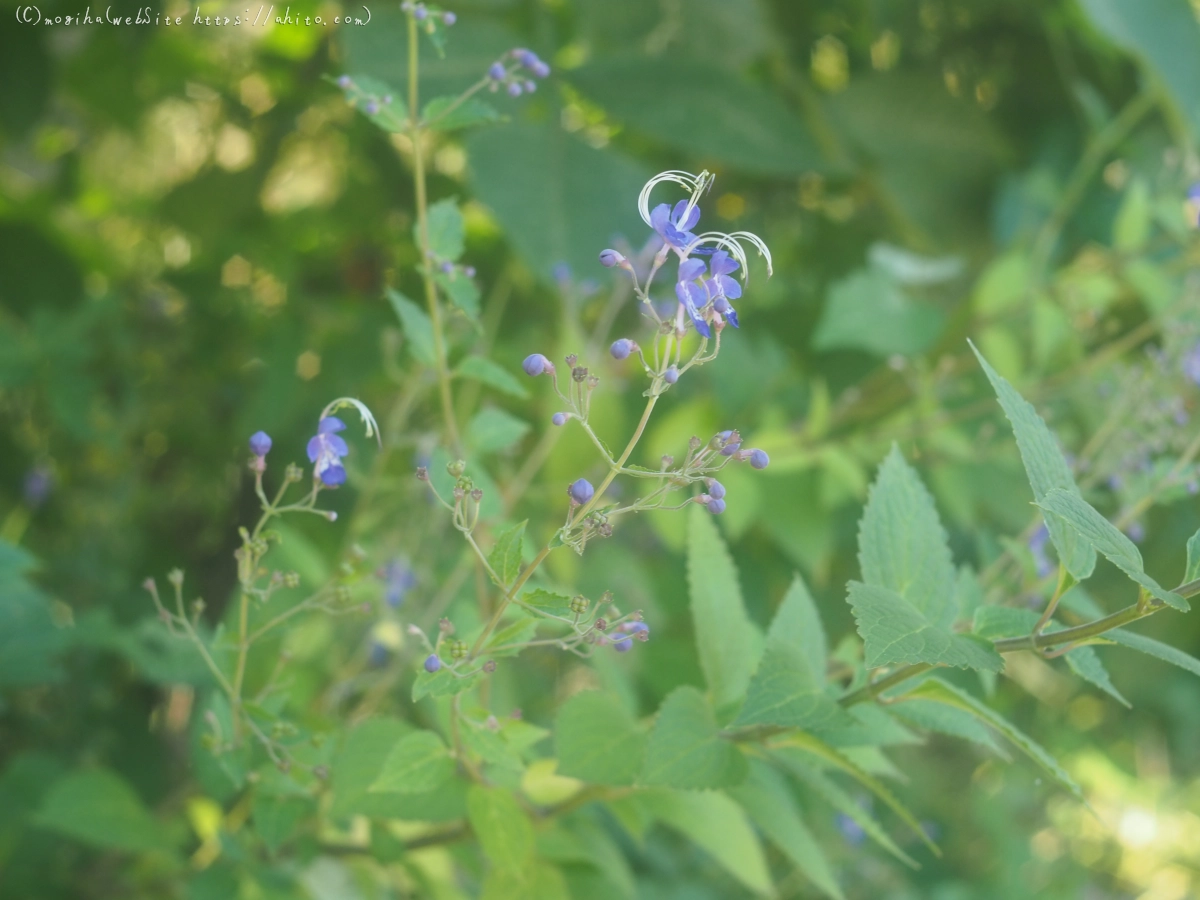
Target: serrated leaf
x=723, y=639
x=894, y=631
x=813, y=745
x=548, y=601
x=417, y=327
x=947, y=720
x=365, y=93
x=1192, y=572
x=504, y=832
x=797, y=763
x=1085, y=662
x=1107, y=539
x=869, y=725
x=493, y=429
x=483, y=370
x=517, y=632
x=768, y=800
x=1151, y=647
x=1045, y=466
x=939, y=691
x=686, y=750
x=505, y=558
x=902, y=545
x=462, y=291
x=447, y=232
x=418, y=763
x=716, y=824
x=472, y=111
x=99, y=808
x=788, y=688
x=597, y=741
x=441, y=683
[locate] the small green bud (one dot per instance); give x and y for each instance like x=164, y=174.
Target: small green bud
x=456, y=468
x=579, y=604
x=459, y=649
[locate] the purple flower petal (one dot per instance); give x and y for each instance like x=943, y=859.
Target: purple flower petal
x=330, y=424
x=690, y=269
x=660, y=217
x=336, y=444
x=722, y=264
x=729, y=287
x=333, y=476
x=314, y=448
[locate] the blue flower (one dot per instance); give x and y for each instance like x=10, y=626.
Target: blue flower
x=260, y=443
x=325, y=451
x=721, y=287
x=581, y=491
x=692, y=293
x=432, y=663
x=674, y=226
x=398, y=580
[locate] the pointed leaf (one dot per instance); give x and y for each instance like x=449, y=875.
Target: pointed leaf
x=768, y=800
x=1151, y=647
x=472, y=111
x=1105, y=537
x=483, y=370
x=446, y=230
x=902, y=545
x=417, y=327
x=1192, y=572
x=418, y=763
x=894, y=631
x=505, y=558
x=494, y=429
x=939, y=691
x=1085, y=662
x=598, y=741
x=947, y=720
x=723, y=638
x=548, y=601
x=1045, y=466
x=99, y=808
x=686, y=749
x=504, y=831
x=462, y=291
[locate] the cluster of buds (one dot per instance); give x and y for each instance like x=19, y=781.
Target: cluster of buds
x=369, y=102
x=512, y=72
x=431, y=17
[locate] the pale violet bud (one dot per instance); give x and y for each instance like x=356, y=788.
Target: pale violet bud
x=621, y=348
x=759, y=459
x=671, y=375
x=530, y=87
x=497, y=72
x=344, y=82
x=420, y=12
x=514, y=90
x=260, y=443
x=715, y=505
x=535, y=364
x=449, y=18
x=432, y=663
x=581, y=491
x=610, y=258
x=715, y=488
x=559, y=418
x=371, y=108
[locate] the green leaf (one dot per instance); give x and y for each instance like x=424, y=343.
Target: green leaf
x=1105, y=537
x=1163, y=34
x=902, y=545
x=359, y=762
x=939, y=691
x=462, y=291
x=418, y=763
x=746, y=126
x=547, y=601
x=483, y=370
x=1192, y=572
x=1085, y=662
x=716, y=824
x=816, y=747
x=1151, y=647
x=597, y=741
x=516, y=632
x=505, y=558
x=686, y=749
x=1046, y=468
x=276, y=818
x=767, y=799
x=391, y=112
x=1131, y=227
x=799, y=764
x=866, y=310
x=29, y=639
x=442, y=683
x=894, y=631
x=947, y=720
x=537, y=178
x=417, y=327
x=723, y=635
x=536, y=879
x=471, y=111
x=788, y=688
x=504, y=831
x=98, y=807
x=447, y=232
x=494, y=429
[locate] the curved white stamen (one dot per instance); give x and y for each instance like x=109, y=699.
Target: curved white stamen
x=732, y=243
x=696, y=184
x=368, y=418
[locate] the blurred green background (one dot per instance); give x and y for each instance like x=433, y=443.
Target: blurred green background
x=195, y=236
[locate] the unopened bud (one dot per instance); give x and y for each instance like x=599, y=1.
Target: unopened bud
x=422, y=473
x=445, y=626
x=579, y=373
x=456, y=468
x=668, y=460
x=694, y=443
x=572, y=359
x=601, y=625
x=489, y=666
x=477, y=495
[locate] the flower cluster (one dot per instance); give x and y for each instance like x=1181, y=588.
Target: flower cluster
x=515, y=72
x=423, y=13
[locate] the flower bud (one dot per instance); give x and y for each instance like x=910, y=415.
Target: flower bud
x=293, y=472
x=601, y=624
x=449, y=18
x=489, y=666
x=580, y=491
x=621, y=348
x=535, y=364
x=371, y=108
x=420, y=12
x=559, y=418
x=623, y=646
x=605, y=530
x=579, y=373
x=579, y=604
x=667, y=461
x=432, y=663
x=759, y=459
x=610, y=258
x=514, y=89
x=571, y=360
x=422, y=473
x=497, y=72
x=344, y=81
x=260, y=443
x=671, y=375
x=715, y=488
x=456, y=468
x=715, y=506
x=477, y=495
